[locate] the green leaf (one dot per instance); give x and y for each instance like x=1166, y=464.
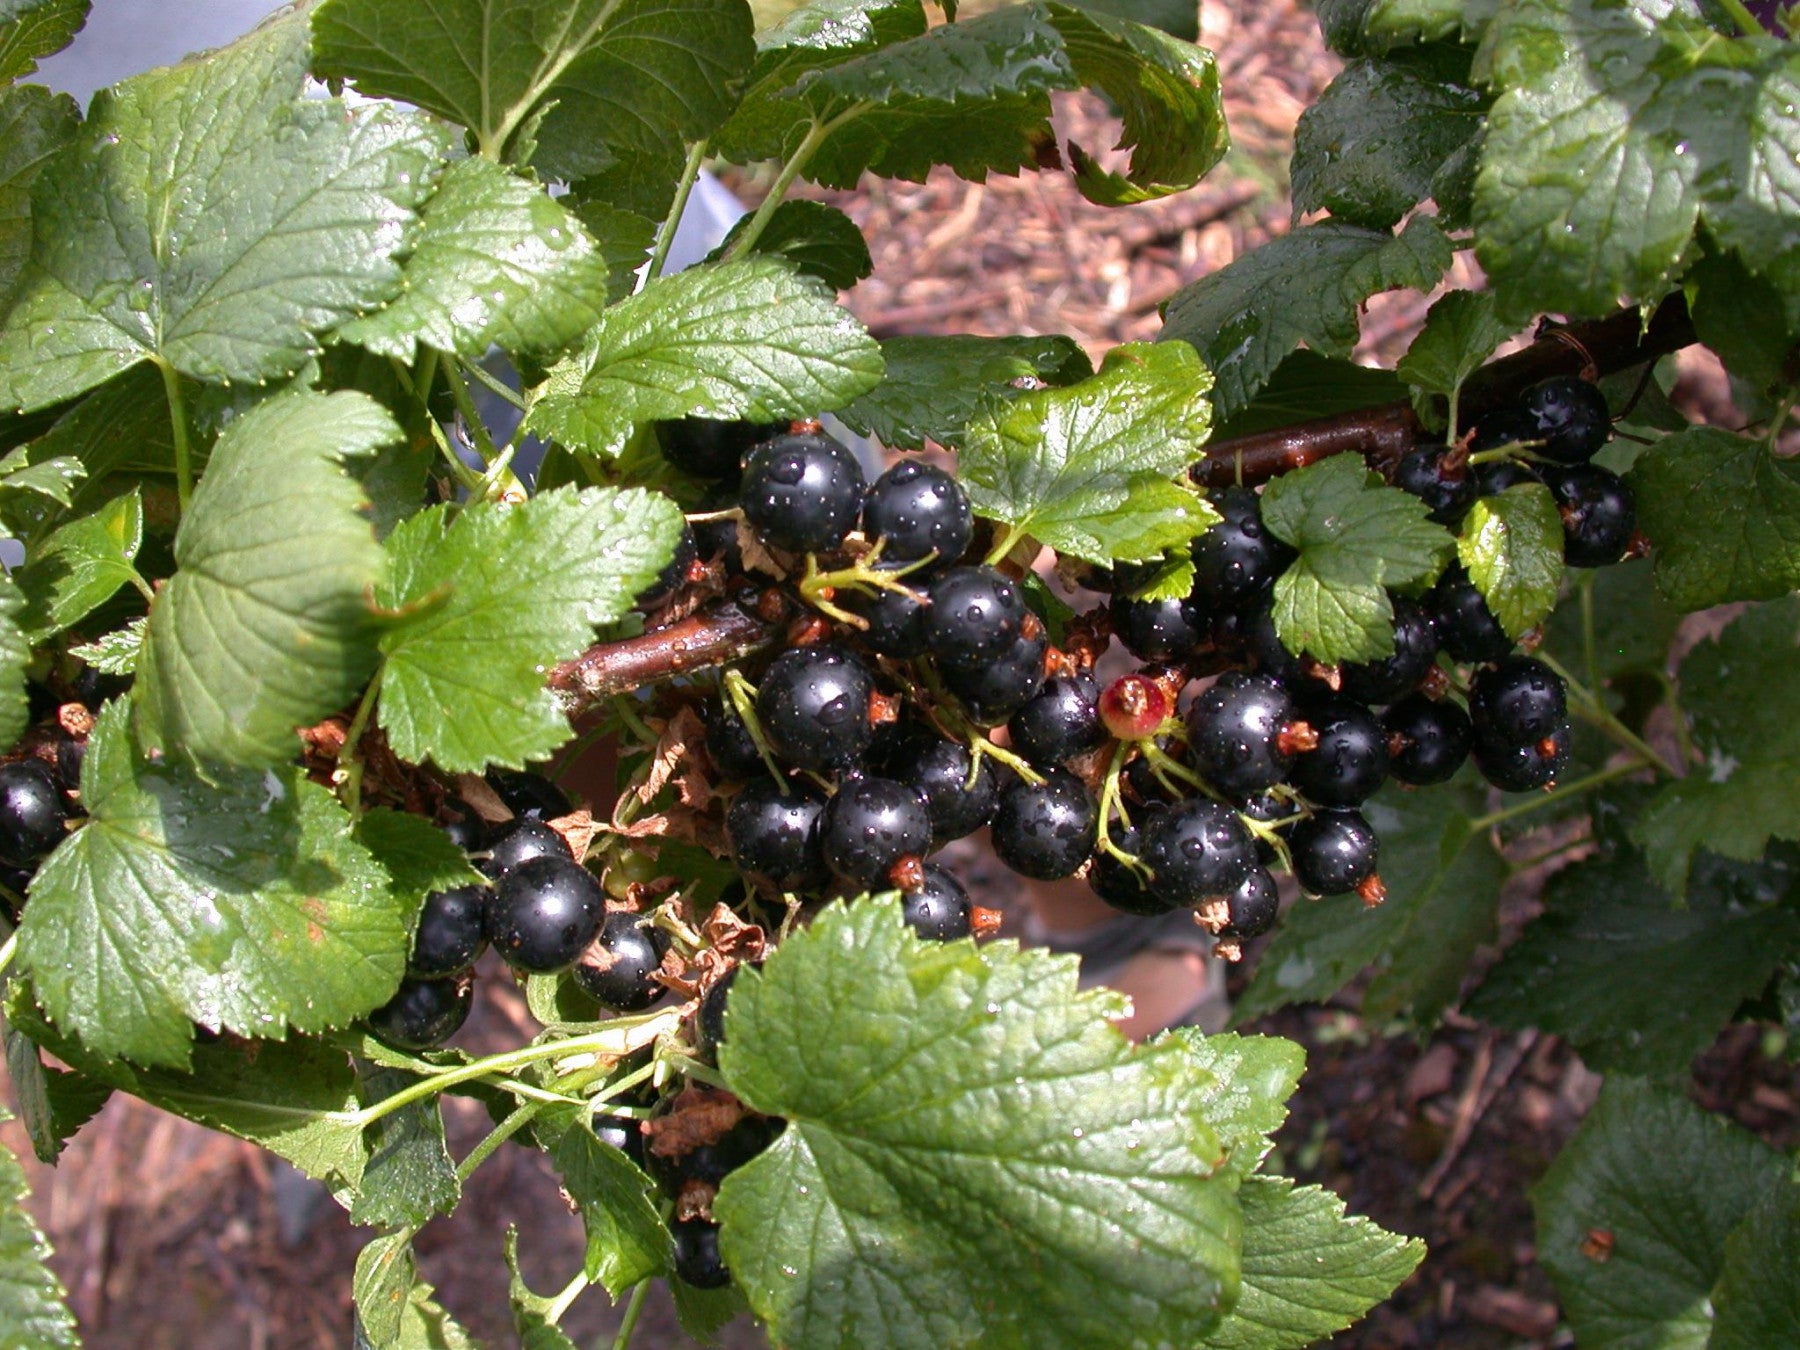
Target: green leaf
x=1461, y=331
x=115, y=653
x=704, y=1313
x=936, y=386
x=1371, y=148
x=1309, y=1269
x=265, y=626
x=497, y=595
x=25, y=470
x=1745, y=321
x=1724, y=516
x=496, y=262
x=531, y=1310
x=15, y=654
x=240, y=901
x=1668, y=1223
x=53, y=1103
x=1511, y=545
x=972, y=1154
x=583, y=77
x=33, y=1315
x=1244, y=1099
x=1393, y=23
x=209, y=218
x=34, y=125
x=819, y=240
x=1092, y=470
x=409, y=1175
x=33, y=28
x=1307, y=385
x=81, y=566
x=1758, y=1296
x=1634, y=982
x=1177, y=18
x=1355, y=537
x=627, y=1240
x=417, y=856
x=1734, y=816
x=748, y=340
x=1620, y=128
x=624, y=239
x=1632, y=624
x=1756, y=650
x=382, y=1286
x=1304, y=287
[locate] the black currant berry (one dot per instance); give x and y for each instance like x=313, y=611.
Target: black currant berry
x=960, y=795
x=802, y=491
x=895, y=619
x=939, y=910
x=729, y=744
x=1251, y=910
x=1333, y=851
x=1062, y=721
x=709, y=448
x=1572, y=418
x=1428, y=739
x=716, y=541
x=1197, y=850
x=916, y=510
x=1466, y=627
x=1351, y=758
x=1448, y=492
x=1496, y=476
x=709, y=1022
x=1517, y=701
x=31, y=812
x=618, y=968
x=1158, y=630
x=1504, y=427
x=697, y=1259
x=1272, y=656
x=518, y=842
x=622, y=1133
x=674, y=574
x=1122, y=886
x=1237, y=733
x=712, y=1163
x=1046, y=830
x=1415, y=649
x=529, y=796
x=1237, y=560
x=1523, y=768
x=464, y=829
x=1599, y=514
x=993, y=692
x=975, y=615
x=544, y=913
x=70, y=754
x=871, y=824
x=773, y=835
x=423, y=1013
x=451, y=932
x=1141, y=781
x=813, y=703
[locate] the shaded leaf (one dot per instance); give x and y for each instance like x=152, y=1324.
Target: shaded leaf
x=408, y=1175
x=1758, y=1296
x=81, y=565
x=30, y=29
x=34, y=124
x=817, y=239
x=626, y=1239
x=33, y=1314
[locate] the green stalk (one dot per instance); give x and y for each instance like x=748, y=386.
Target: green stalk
x=184, y=467
x=499, y=388
x=633, y=1311
x=353, y=771
x=1580, y=785
x=573, y=1290
x=465, y=404
x=1743, y=18
x=815, y=137
x=1590, y=709
x=8, y=950
x=665, y=233
x=520, y=1117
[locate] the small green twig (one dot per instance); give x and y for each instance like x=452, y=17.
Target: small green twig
x=495, y=386
x=1587, y=706
x=1008, y=542
x=633, y=1310
x=520, y=1116
x=1538, y=803
x=665, y=233
x=818, y=588
x=815, y=137
x=571, y=1291
x=184, y=466
x=8, y=950
x=1743, y=18
x=743, y=698
x=353, y=771
x=958, y=727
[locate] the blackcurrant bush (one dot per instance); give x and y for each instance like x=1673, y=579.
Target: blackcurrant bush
x=1238, y=733
x=975, y=615
x=697, y=1259
x=1333, y=851
x=1428, y=739
x=916, y=510
x=1466, y=627
x=1251, y=910
x=1237, y=560
x=993, y=692
x=618, y=968
x=1351, y=757
x=1599, y=514
x=518, y=842
x=423, y=1013
x=729, y=744
x=895, y=619
x=871, y=824
x=1158, y=630
x=709, y=448
x=960, y=795
x=1123, y=886
x=1572, y=418
x=1197, y=850
x=622, y=1133
x=1062, y=721
x=813, y=703
x=674, y=574
x=1447, y=491
x=773, y=835
x=451, y=932
x=1519, y=700
x=1415, y=649
x=544, y=913
x=31, y=812
x=939, y=910
x=1046, y=830
x=802, y=491
x=529, y=796
x=1522, y=768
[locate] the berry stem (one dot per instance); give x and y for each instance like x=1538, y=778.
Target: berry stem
x=633, y=1310
x=352, y=772
x=951, y=721
x=815, y=137
x=743, y=698
x=1588, y=707
x=418, y=383
x=521, y=1116
x=1580, y=785
x=8, y=950
x=498, y=388
x=574, y=1289
x=1743, y=18
x=1008, y=542
x=665, y=232
x=817, y=588
x=184, y=468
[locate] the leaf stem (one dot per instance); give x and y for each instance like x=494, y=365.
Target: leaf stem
x=1007, y=544
x=1743, y=18
x=521, y=1116
x=809, y=145
x=665, y=233
x=493, y=384
x=8, y=950
x=1589, y=707
x=1580, y=785
x=571, y=1291
x=359, y=724
x=465, y=407
x=633, y=1310
x=184, y=467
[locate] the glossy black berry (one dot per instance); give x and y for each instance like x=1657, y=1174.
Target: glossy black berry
x=773, y=834
x=975, y=615
x=1237, y=560
x=1447, y=491
x=1062, y=721
x=451, y=932
x=1351, y=758
x=617, y=968
x=1496, y=476
x=529, y=796
x=1271, y=655
x=697, y=1259
x=622, y=1133
x=959, y=795
x=916, y=510
x=1123, y=886
x=895, y=619
x=1197, y=850
x=423, y=1013
x=1251, y=910
x=1415, y=650
x=729, y=744
x=709, y=448
x=1599, y=514
x=465, y=830
x=1333, y=851
x=992, y=692
x=1520, y=699
x=544, y=913
x=1428, y=739
x=1466, y=627
x=709, y=1022
x=1508, y=426
x=1522, y=768
x=1046, y=830
x=1158, y=630
x=1235, y=733
x=802, y=491
x=939, y=910
x=1572, y=418
x=716, y=541
x=813, y=703
x=673, y=576
x=518, y=842
x=70, y=755
x=871, y=824
x=31, y=812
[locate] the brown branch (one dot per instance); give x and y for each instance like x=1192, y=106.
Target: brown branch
x=713, y=637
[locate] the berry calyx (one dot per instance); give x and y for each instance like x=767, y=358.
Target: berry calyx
x=618, y=969
x=976, y=615
x=869, y=826
x=423, y=1013
x=916, y=510
x=1062, y=720
x=1334, y=852
x=1046, y=830
x=813, y=703
x=1197, y=850
x=1523, y=768
x=544, y=913
x=802, y=492
x=773, y=834
x=1134, y=707
x=451, y=932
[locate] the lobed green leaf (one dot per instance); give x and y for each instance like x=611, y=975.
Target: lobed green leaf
x=33, y=1313
x=30, y=29
x=34, y=125
x=1511, y=545
x=81, y=566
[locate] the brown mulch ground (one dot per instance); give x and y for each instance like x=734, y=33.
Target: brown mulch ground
x=168, y=1236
